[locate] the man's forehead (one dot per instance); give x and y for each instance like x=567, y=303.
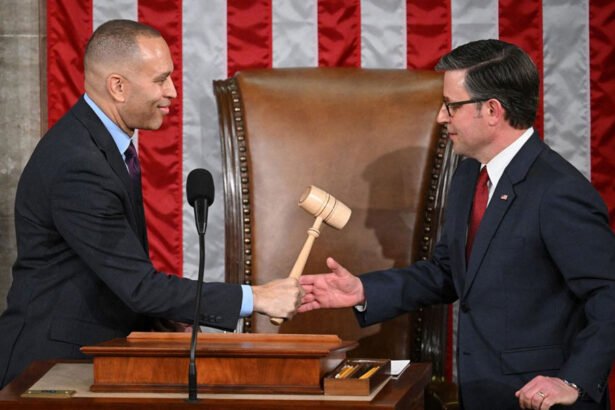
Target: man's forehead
x=152, y=45
x=454, y=82
x=155, y=51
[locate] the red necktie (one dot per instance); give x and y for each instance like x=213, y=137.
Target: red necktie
x=481, y=196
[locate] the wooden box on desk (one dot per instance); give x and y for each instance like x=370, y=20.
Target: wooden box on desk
x=360, y=382
x=226, y=363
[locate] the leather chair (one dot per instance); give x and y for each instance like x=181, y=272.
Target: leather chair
x=368, y=137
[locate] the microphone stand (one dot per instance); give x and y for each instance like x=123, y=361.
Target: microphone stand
x=192, y=379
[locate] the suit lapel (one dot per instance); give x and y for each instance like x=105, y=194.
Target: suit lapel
x=495, y=212
x=502, y=199
x=105, y=143
x=467, y=184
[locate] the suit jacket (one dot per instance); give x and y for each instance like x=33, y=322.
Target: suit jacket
x=83, y=274
x=537, y=295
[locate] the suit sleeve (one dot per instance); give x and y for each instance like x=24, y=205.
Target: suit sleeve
x=392, y=292
x=89, y=209
x=576, y=232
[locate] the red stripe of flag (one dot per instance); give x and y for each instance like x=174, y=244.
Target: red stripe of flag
x=69, y=26
x=339, y=33
x=602, y=98
x=249, y=35
x=428, y=32
x=528, y=36
x=160, y=151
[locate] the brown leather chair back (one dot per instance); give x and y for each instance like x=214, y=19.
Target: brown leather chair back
x=369, y=138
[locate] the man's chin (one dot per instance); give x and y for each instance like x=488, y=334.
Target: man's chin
x=460, y=152
x=456, y=149
x=152, y=126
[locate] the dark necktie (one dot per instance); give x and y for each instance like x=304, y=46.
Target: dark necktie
x=481, y=196
x=132, y=161
x=134, y=170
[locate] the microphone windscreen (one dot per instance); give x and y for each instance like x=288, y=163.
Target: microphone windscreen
x=200, y=185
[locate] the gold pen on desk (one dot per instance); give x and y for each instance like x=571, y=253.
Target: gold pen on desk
x=352, y=371
x=364, y=368
x=342, y=371
x=368, y=373
x=348, y=371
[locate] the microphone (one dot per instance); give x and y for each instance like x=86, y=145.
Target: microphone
x=200, y=194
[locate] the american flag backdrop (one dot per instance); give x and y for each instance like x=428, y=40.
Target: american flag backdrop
x=572, y=42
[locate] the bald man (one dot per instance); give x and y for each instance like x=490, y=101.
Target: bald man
x=83, y=274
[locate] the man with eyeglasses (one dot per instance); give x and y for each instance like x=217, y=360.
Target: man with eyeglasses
x=526, y=249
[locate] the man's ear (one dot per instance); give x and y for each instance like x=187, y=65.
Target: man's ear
x=116, y=86
x=495, y=111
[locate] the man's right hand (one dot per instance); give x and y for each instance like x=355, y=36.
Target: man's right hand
x=336, y=289
x=278, y=298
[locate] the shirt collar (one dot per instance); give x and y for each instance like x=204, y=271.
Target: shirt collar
x=121, y=139
x=497, y=165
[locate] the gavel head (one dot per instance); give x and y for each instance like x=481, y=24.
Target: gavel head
x=324, y=205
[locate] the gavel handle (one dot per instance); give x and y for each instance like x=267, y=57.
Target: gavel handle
x=299, y=265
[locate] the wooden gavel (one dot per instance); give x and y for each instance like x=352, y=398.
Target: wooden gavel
x=326, y=208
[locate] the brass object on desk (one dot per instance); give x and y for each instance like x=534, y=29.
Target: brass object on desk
x=48, y=394
x=357, y=377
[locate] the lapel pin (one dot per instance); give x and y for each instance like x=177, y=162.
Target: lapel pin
x=504, y=197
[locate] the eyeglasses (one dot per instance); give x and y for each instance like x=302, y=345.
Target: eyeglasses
x=452, y=106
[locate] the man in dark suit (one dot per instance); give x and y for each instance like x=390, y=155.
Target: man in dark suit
x=83, y=274
x=534, y=275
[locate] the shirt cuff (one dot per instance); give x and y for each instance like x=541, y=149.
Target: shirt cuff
x=247, y=301
x=361, y=308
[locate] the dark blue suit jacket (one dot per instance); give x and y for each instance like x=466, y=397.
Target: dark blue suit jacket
x=538, y=293
x=83, y=274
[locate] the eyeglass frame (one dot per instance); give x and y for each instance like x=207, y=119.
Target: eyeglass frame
x=457, y=104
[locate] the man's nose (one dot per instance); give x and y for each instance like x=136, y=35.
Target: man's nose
x=443, y=117
x=170, y=90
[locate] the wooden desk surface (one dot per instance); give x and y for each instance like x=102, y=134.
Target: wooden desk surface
x=407, y=392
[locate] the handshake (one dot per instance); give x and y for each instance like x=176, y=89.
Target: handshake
x=281, y=299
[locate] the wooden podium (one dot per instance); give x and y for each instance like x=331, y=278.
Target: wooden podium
x=226, y=363
x=407, y=393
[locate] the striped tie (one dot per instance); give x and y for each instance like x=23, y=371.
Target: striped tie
x=134, y=169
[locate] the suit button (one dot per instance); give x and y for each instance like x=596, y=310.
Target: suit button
x=218, y=318
x=464, y=307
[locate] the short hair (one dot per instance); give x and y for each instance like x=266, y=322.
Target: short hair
x=500, y=70
x=116, y=40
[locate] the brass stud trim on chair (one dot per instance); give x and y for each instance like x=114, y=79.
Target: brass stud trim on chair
x=431, y=221
x=237, y=155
